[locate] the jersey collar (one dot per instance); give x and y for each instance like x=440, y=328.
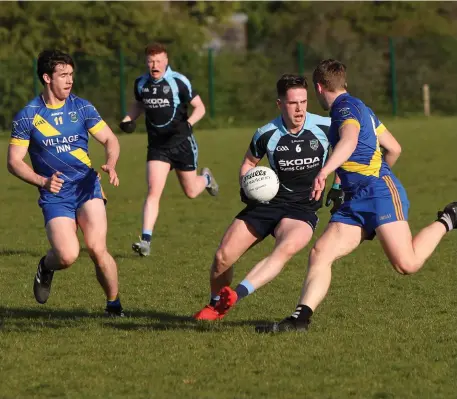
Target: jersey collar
x=340, y=98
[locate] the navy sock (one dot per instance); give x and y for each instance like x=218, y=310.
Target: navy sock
x=302, y=313
x=213, y=300
x=147, y=235
x=244, y=289
x=114, y=304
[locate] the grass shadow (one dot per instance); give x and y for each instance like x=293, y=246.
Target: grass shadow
x=20, y=319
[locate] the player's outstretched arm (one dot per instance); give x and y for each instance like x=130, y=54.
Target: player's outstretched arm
x=198, y=112
x=112, y=149
x=128, y=124
x=349, y=135
x=392, y=147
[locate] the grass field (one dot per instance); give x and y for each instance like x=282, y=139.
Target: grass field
x=377, y=335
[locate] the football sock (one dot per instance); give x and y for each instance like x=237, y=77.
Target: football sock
x=302, y=313
x=244, y=289
x=446, y=220
x=213, y=300
x=115, y=303
x=147, y=235
x=208, y=179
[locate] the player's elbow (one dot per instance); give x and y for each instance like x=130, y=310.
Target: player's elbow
x=202, y=109
x=11, y=166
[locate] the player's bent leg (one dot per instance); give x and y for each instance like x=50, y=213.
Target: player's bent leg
x=61, y=232
x=238, y=238
x=156, y=177
x=407, y=254
x=337, y=241
x=191, y=183
x=92, y=220
x=291, y=237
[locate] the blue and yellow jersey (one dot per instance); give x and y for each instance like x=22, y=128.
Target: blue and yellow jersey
x=366, y=162
x=57, y=137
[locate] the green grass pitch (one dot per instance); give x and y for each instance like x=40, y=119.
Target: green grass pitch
x=377, y=335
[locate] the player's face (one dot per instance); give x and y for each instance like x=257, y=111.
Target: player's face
x=293, y=107
x=157, y=65
x=61, y=81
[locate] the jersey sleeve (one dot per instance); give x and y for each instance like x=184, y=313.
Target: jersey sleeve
x=20, y=131
x=378, y=125
x=346, y=113
x=258, y=145
x=186, y=93
x=93, y=122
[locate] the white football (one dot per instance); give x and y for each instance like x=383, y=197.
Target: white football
x=260, y=183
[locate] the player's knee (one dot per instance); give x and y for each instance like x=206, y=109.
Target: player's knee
x=222, y=260
x=191, y=192
x=152, y=197
x=97, y=252
x=289, y=249
x=405, y=266
x=68, y=258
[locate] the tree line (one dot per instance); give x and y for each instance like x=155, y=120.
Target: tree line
x=356, y=33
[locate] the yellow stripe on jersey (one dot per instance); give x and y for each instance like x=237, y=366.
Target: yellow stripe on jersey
x=350, y=122
x=82, y=156
x=20, y=142
x=99, y=126
x=44, y=127
x=367, y=170
x=380, y=129
x=56, y=106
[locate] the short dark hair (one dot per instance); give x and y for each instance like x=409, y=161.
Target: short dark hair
x=155, y=48
x=49, y=59
x=290, y=81
x=331, y=74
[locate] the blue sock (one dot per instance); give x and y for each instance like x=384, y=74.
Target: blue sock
x=208, y=179
x=147, y=235
x=114, y=304
x=244, y=289
x=213, y=300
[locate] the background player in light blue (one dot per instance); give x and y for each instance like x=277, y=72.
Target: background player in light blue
x=375, y=201
x=296, y=145
x=54, y=129
x=164, y=95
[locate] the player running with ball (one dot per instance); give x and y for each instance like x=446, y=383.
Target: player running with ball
x=296, y=145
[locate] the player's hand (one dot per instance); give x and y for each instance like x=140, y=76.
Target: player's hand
x=335, y=195
x=113, y=179
x=244, y=198
x=128, y=126
x=54, y=183
x=318, y=186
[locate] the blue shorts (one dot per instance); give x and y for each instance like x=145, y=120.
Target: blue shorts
x=71, y=197
x=380, y=202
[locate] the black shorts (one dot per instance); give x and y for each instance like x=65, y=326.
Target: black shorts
x=184, y=156
x=264, y=218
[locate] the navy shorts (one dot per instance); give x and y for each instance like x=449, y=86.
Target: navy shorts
x=264, y=218
x=72, y=196
x=184, y=156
